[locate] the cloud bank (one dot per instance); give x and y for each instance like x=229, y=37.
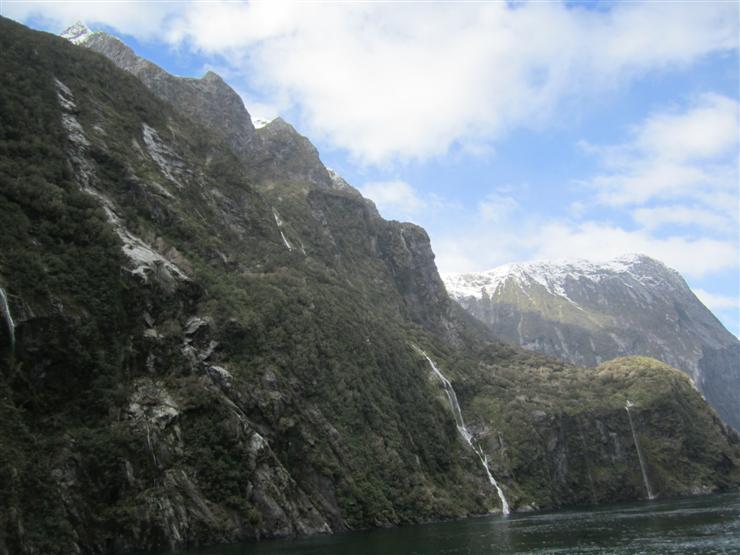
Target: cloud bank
x=390, y=82
x=393, y=83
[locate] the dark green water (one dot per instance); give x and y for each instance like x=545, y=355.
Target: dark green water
x=707, y=525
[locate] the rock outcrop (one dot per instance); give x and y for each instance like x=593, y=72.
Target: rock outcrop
x=208, y=101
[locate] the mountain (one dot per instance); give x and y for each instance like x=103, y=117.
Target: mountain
x=275, y=151
x=586, y=313
x=209, y=101
x=205, y=340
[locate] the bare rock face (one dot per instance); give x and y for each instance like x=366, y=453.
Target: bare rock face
x=408, y=251
x=587, y=313
x=275, y=151
x=208, y=101
x=287, y=155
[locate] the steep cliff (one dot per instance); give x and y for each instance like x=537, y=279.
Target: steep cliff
x=209, y=101
x=196, y=350
x=563, y=435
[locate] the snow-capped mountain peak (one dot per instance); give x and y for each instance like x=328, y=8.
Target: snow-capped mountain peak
x=77, y=33
x=554, y=276
x=587, y=312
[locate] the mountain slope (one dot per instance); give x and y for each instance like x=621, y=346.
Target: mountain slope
x=196, y=349
x=586, y=313
x=199, y=378
x=273, y=152
x=205, y=101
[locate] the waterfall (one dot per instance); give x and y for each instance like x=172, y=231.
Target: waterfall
x=639, y=452
x=463, y=430
x=7, y=317
x=285, y=241
x=279, y=224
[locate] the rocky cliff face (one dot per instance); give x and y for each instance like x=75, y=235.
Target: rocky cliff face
x=587, y=313
x=562, y=447
x=274, y=152
x=208, y=101
x=198, y=349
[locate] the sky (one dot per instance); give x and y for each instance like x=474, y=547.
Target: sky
x=511, y=131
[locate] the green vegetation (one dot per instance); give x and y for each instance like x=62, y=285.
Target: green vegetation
x=270, y=392
x=562, y=433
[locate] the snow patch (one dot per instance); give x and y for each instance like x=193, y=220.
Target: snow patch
x=259, y=122
x=78, y=33
x=555, y=277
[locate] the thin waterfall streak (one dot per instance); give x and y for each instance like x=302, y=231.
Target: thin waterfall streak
x=7, y=317
x=645, y=480
x=285, y=241
x=463, y=430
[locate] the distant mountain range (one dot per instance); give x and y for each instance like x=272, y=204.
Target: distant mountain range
x=587, y=313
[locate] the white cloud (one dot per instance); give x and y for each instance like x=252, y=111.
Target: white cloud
x=676, y=177
x=143, y=20
x=688, y=154
x=412, y=81
x=392, y=82
x=596, y=241
x=263, y=110
x=475, y=250
x=497, y=207
x=483, y=247
x=708, y=130
x=577, y=209
x=408, y=81
x=394, y=198
x=688, y=216
x=651, y=34
x=716, y=302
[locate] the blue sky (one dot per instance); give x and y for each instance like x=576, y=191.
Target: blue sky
x=510, y=131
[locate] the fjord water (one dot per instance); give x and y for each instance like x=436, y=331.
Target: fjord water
x=707, y=525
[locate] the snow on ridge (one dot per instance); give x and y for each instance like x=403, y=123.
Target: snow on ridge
x=78, y=33
x=552, y=275
x=259, y=122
